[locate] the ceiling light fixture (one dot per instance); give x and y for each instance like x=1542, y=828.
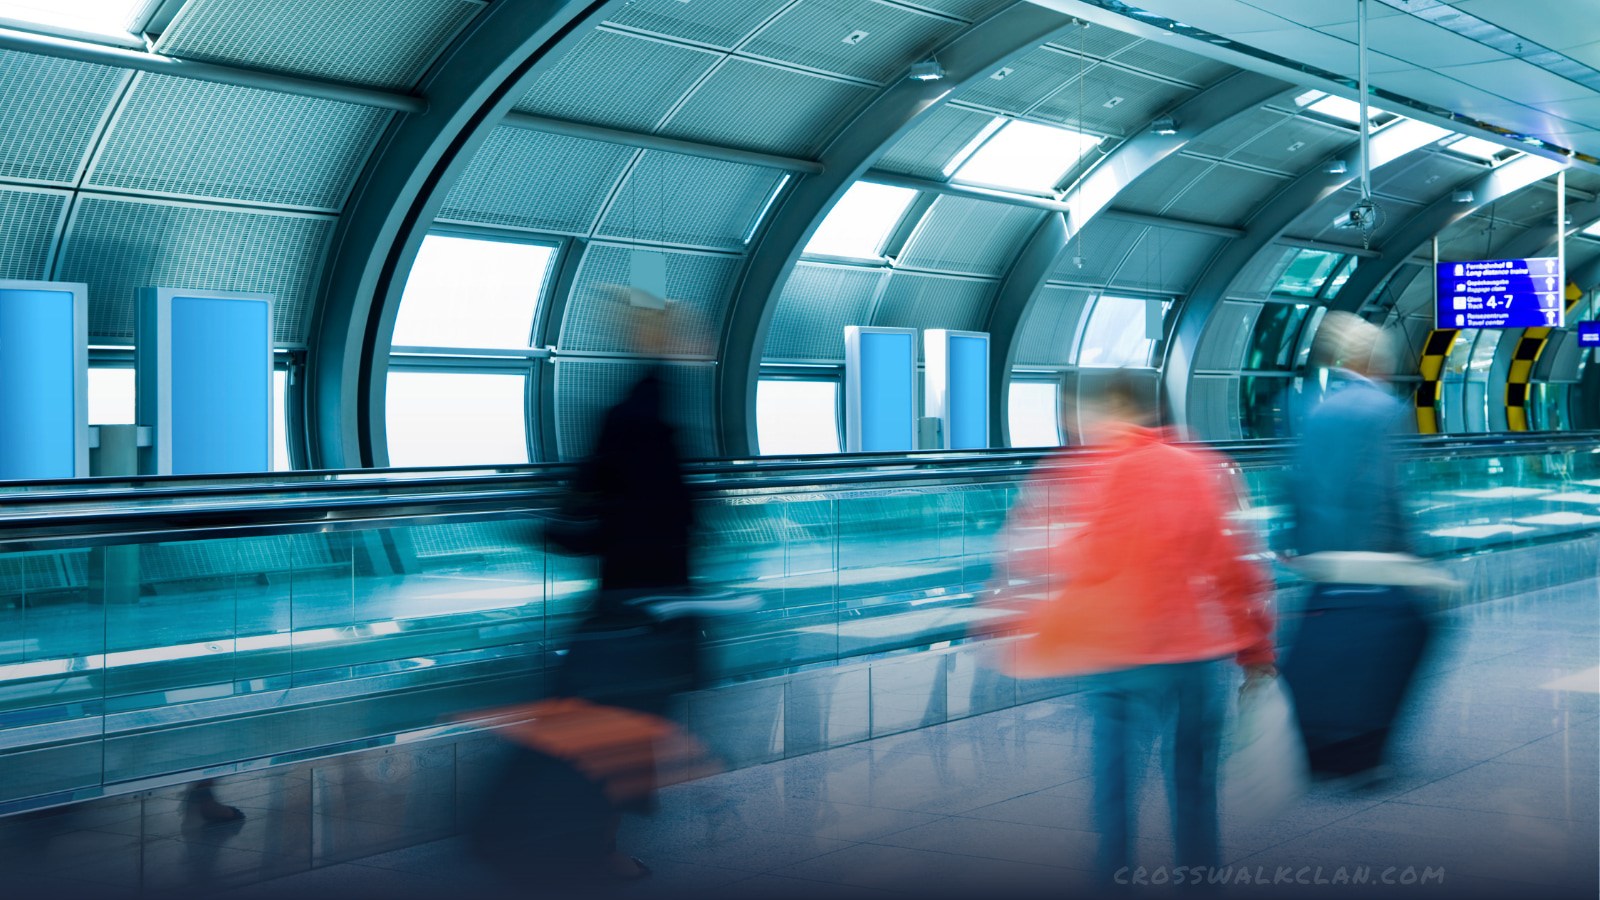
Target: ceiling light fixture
x=1461, y=197
x=927, y=70
x=1164, y=125
x=1337, y=167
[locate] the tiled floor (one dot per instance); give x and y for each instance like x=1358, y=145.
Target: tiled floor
x=1496, y=786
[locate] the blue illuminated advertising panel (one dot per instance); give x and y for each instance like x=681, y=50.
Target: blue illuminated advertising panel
x=880, y=388
x=43, y=380
x=958, y=386
x=1589, y=334
x=1500, y=293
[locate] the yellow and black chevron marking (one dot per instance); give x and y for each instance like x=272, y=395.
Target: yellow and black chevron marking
x=1528, y=350
x=1529, y=346
x=1431, y=368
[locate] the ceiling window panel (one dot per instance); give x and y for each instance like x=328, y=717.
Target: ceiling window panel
x=1026, y=156
x=464, y=292
x=860, y=222
x=108, y=17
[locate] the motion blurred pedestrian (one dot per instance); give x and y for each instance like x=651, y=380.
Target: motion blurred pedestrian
x=1150, y=596
x=1364, y=629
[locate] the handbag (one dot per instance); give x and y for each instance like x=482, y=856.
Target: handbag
x=1265, y=773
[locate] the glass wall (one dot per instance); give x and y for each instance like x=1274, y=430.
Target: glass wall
x=797, y=416
x=1034, y=413
x=460, y=362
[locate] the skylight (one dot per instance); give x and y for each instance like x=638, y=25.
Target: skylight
x=861, y=221
x=1025, y=156
x=109, y=17
x=1477, y=148
x=1593, y=229
x=1346, y=110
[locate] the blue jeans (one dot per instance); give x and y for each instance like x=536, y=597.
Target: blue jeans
x=1182, y=704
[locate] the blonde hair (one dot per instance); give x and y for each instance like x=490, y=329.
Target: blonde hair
x=1347, y=341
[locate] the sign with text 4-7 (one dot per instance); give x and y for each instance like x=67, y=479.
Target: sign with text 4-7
x=1500, y=293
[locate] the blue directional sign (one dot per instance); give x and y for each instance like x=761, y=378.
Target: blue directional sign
x=1589, y=334
x=1500, y=293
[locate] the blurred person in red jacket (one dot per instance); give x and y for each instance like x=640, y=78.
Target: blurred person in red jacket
x=1150, y=596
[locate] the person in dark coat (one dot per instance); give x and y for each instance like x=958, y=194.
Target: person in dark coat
x=560, y=803
x=1363, y=630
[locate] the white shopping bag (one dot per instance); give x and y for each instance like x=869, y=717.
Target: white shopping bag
x=1265, y=773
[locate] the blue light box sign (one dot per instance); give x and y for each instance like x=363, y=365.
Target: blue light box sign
x=958, y=386
x=880, y=388
x=44, y=376
x=204, y=375
x=1500, y=293
x=1589, y=334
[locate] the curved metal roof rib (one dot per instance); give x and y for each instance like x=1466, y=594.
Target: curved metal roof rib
x=1312, y=190
x=1039, y=258
x=1494, y=185
x=971, y=57
x=394, y=203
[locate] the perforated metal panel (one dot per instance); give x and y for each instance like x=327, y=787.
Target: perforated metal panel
x=585, y=389
x=698, y=286
x=1534, y=204
x=1214, y=407
x=599, y=81
x=197, y=139
x=1112, y=101
x=675, y=199
x=1295, y=146
x=1226, y=195
x=936, y=139
x=1102, y=245
x=50, y=110
x=28, y=224
x=1261, y=274
x=761, y=107
x=1095, y=41
x=1045, y=337
x=1227, y=335
x=1155, y=189
x=118, y=245
x=971, y=10
x=969, y=236
x=1171, y=62
x=384, y=43
x=816, y=305
x=1425, y=178
x=929, y=301
x=529, y=179
x=1167, y=260
x=1030, y=79
x=815, y=34
x=1233, y=133
x=720, y=23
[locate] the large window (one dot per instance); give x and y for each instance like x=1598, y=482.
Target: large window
x=1119, y=332
x=797, y=416
x=860, y=223
x=1025, y=156
x=464, y=292
x=456, y=419
x=1034, y=414
x=111, y=399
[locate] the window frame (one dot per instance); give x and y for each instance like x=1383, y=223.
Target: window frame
x=833, y=374
x=494, y=360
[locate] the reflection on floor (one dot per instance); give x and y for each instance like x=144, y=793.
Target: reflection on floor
x=1496, y=786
